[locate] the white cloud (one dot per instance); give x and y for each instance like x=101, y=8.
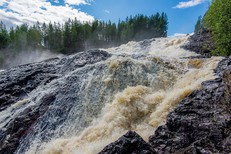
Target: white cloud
x=56, y=1
x=77, y=2
x=108, y=12
x=17, y=12
x=189, y=3
x=2, y=2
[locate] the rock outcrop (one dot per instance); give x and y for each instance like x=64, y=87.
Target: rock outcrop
x=201, y=123
x=131, y=142
x=201, y=43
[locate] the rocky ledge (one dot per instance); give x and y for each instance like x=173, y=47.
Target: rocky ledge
x=201, y=123
x=201, y=43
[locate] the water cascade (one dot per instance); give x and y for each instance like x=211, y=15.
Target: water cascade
x=133, y=87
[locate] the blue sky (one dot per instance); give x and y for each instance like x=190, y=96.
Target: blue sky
x=182, y=14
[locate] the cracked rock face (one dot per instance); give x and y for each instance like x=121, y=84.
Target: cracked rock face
x=201, y=123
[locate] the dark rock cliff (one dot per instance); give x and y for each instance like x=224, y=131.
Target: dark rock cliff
x=201, y=43
x=201, y=123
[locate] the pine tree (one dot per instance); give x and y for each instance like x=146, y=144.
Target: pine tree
x=198, y=24
x=4, y=37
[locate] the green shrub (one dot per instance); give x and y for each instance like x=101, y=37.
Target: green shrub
x=218, y=19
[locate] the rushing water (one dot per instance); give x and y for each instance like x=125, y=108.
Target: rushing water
x=94, y=105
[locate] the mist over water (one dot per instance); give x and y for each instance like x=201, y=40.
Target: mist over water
x=27, y=56
x=159, y=47
x=94, y=105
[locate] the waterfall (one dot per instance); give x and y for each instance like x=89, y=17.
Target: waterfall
x=86, y=108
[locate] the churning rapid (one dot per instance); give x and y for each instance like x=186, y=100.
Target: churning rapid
x=134, y=87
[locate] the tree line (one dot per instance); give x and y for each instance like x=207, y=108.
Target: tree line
x=74, y=36
x=218, y=20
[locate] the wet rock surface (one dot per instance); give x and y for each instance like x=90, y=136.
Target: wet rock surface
x=17, y=82
x=130, y=143
x=201, y=43
x=201, y=123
